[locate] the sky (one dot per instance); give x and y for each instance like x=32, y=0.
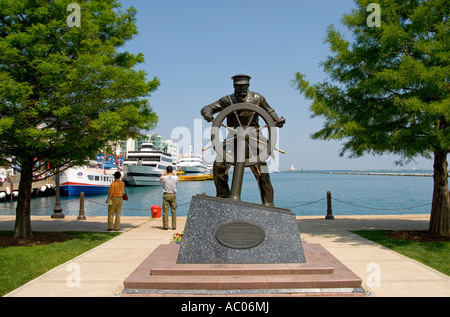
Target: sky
x=194, y=47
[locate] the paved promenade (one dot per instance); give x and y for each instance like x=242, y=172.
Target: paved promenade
x=103, y=269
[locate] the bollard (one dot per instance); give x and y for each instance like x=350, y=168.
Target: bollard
x=81, y=215
x=329, y=210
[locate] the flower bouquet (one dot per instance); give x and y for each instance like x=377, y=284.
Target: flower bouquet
x=177, y=236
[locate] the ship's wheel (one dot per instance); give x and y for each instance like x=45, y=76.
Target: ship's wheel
x=244, y=142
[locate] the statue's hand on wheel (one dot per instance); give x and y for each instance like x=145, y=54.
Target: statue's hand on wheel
x=279, y=122
x=208, y=118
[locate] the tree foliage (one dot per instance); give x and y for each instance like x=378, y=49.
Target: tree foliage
x=388, y=88
x=65, y=92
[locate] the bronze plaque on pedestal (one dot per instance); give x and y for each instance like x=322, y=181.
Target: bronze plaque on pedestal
x=240, y=235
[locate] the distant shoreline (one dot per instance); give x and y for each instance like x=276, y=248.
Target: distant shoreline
x=374, y=173
x=400, y=173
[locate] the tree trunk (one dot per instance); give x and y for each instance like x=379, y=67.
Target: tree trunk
x=23, y=210
x=440, y=209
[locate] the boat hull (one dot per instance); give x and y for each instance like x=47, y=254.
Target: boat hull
x=140, y=181
x=75, y=189
x=141, y=175
x=199, y=177
x=191, y=169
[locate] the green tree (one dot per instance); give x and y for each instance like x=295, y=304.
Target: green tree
x=66, y=90
x=388, y=89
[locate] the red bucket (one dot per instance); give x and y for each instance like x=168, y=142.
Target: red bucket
x=156, y=211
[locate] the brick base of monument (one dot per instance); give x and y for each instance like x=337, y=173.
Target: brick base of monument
x=321, y=275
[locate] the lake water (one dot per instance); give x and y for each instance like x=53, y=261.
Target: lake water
x=303, y=193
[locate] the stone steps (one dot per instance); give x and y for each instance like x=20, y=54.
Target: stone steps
x=322, y=273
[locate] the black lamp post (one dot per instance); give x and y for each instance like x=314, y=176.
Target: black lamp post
x=57, y=211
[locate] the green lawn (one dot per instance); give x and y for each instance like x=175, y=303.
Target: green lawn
x=433, y=254
x=21, y=264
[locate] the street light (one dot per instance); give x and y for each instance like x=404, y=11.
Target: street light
x=57, y=211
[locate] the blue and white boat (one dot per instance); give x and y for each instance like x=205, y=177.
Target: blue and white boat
x=89, y=180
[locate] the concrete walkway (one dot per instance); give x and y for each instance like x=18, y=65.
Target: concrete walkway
x=102, y=270
x=385, y=273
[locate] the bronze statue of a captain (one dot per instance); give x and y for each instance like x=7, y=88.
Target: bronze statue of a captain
x=242, y=95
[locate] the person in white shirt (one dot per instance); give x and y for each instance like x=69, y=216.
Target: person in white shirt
x=169, y=180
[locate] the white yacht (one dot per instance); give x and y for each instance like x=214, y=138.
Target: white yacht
x=144, y=167
x=190, y=163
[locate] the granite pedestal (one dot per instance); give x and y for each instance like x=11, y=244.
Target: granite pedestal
x=224, y=231
x=237, y=248
x=321, y=275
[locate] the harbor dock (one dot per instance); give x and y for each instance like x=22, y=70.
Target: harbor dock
x=9, y=190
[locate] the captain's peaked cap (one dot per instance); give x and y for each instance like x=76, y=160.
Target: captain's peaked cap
x=241, y=79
